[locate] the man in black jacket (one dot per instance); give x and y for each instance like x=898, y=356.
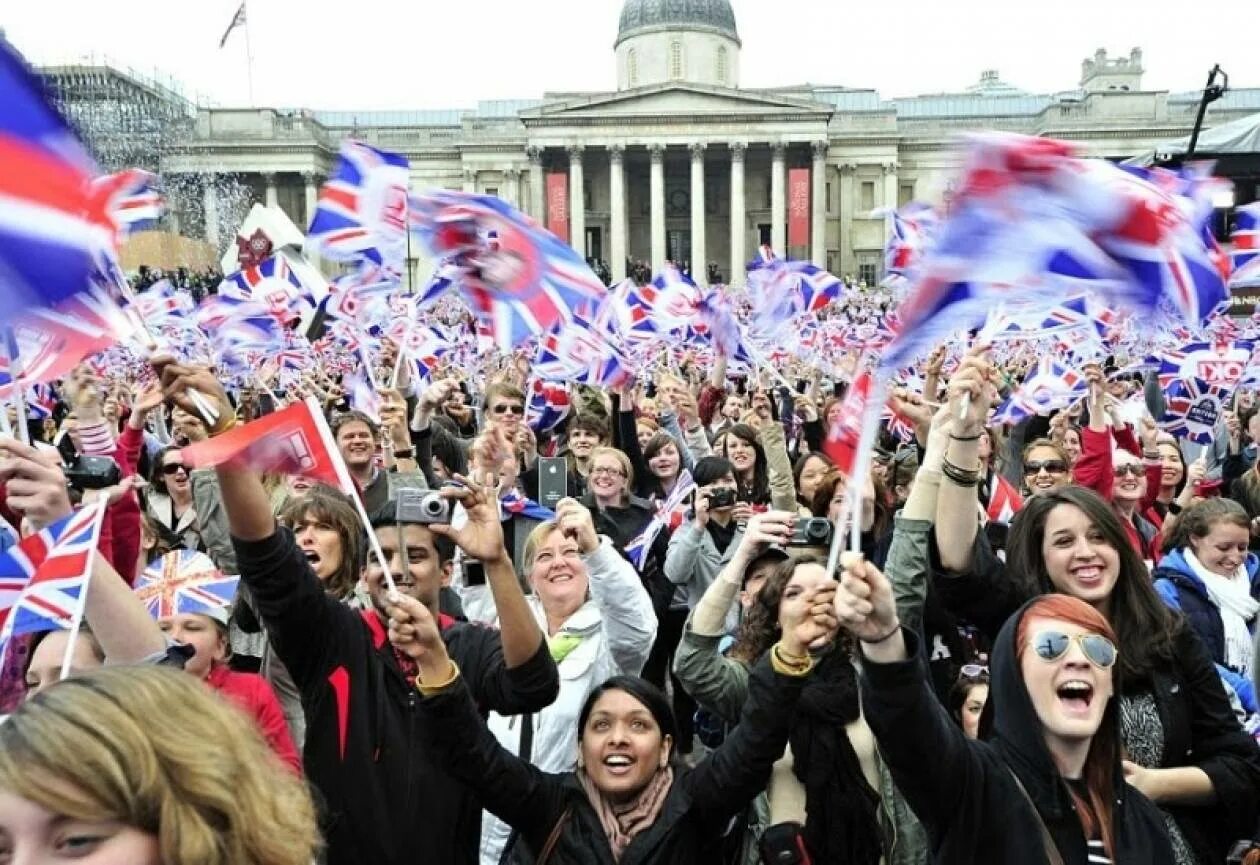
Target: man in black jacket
x=386, y=801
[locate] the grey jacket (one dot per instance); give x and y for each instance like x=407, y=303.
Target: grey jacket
x=693, y=561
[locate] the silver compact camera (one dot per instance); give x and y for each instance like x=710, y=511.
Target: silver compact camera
x=422, y=507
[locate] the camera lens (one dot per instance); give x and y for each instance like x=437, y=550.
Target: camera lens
x=432, y=506
x=817, y=529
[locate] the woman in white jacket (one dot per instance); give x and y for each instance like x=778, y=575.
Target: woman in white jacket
x=599, y=623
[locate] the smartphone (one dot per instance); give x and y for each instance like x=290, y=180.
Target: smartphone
x=553, y=480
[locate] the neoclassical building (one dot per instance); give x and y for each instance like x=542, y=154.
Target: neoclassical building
x=680, y=162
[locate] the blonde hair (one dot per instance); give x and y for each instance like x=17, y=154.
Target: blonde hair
x=537, y=537
x=157, y=750
x=622, y=460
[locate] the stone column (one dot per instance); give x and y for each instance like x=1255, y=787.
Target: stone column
x=739, y=228
x=617, y=201
x=818, y=217
x=311, y=181
x=890, y=185
x=778, y=203
x=577, y=200
x=847, y=262
x=511, y=183
x=658, y=206
x=210, y=211
x=273, y=196
x=470, y=180
x=537, y=197
x=699, y=258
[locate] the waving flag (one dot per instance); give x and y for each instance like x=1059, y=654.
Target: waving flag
x=1246, y=241
x=842, y=439
x=1050, y=386
x=781, y=290
x=1004, y=501
x=362, y=209
x=273, y=283
x=131, y=199
x=548, y=404
x=51, y=344
x=292, y=441
x=518, y=277
x=52, y=229
x=44, y=576
x=576, y=351
x=911, y=230
x=1193, y=408
x=637, y=547
x=184, y=581
x=1221, y=363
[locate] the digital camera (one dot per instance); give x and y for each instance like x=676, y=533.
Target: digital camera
x=422, y=507
x=811, y=532
x=720, y=498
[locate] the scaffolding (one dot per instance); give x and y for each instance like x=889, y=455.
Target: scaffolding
x=126, y=119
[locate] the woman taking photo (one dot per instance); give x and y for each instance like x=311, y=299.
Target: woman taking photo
x=1210, y=577
x=832, y=781
x=1050, y=768
x=629, y=798
x=145, y=766
x=599, y=623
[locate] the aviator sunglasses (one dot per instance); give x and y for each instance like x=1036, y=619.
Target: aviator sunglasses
x=1052, y=645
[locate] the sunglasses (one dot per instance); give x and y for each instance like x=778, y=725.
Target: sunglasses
x=504, y=408
x=1136, y=469
x=172, y=468
x=973, y=671
x=1052, y=645
x=1054, y=467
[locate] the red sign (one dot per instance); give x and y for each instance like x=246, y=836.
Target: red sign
x=798, y=207
x=558, y=204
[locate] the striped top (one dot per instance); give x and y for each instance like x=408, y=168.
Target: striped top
x=1098, y=853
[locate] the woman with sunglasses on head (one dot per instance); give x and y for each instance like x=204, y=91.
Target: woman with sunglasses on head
x=1051, y=766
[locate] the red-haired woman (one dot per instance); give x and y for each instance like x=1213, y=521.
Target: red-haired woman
x=1047, y=786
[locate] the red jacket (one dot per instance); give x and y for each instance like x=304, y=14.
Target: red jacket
x=1096, y=470
x=251, y=693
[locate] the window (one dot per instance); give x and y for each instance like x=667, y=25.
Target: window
x=632, y=67
x=868, y=194
x=586, y=195
x=832, y=259
x=721, y=64
x=905, y=194
x=675, y=60
x=829, y=198
x=492, y=190
x=867, y=272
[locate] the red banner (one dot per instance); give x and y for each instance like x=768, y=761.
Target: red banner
x=558, y=204
x=798, y=207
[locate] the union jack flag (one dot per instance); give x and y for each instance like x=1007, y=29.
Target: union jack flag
x=1004, y=501
x=548, y=404
x=576, y=351
x=1050, y=386
x=184, y=581
x=362, y=209
x=1193, y=408
x=52, y=228
x=51, y=343
x=1246, y=241
x=273, y=283
x=910, y=232
x=43, y=578
x=637, y=547
x=160, y=302
x=132, y=200
x=1220, y=363
x=516, y=276
x=781, y=290
x=845, y=434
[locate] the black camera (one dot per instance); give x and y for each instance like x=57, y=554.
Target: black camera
x=423, y=507
x=811, y=532
x=91, y=473
x=724, y=497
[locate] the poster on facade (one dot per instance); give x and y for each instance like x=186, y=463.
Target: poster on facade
x=558, y=204
x=798, y=207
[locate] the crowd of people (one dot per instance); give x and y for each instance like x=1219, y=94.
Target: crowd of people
x=617, y=639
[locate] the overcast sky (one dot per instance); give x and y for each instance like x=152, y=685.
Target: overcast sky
x=417, y=54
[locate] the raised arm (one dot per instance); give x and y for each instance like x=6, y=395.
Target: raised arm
x=909, y=558
x=957, y=508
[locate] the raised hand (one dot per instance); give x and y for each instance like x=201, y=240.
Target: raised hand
x=864, y=601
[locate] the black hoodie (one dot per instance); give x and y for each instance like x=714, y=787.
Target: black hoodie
x=965, y=792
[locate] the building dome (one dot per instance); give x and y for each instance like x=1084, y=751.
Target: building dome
x=645, y=16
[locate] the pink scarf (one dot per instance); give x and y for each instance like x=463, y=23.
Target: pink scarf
x=622, y=822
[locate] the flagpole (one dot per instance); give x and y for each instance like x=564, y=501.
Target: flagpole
x=18, y=386
x=76, y=623
x=249, y=56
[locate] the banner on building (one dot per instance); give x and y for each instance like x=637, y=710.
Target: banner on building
x=798, y=207
x=558, y=204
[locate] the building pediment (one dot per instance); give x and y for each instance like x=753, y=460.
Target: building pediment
x=676, y=101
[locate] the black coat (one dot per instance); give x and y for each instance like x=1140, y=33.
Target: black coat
x=964, y=791
x=697, y=808
x=622, y=525
x=364, y=749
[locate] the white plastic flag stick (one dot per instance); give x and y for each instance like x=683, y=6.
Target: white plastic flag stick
x=18, y=387
x=861, y=470
x=76, y=622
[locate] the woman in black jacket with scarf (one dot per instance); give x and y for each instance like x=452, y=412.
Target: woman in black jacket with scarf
x=629, y=801
x=1047, y=785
